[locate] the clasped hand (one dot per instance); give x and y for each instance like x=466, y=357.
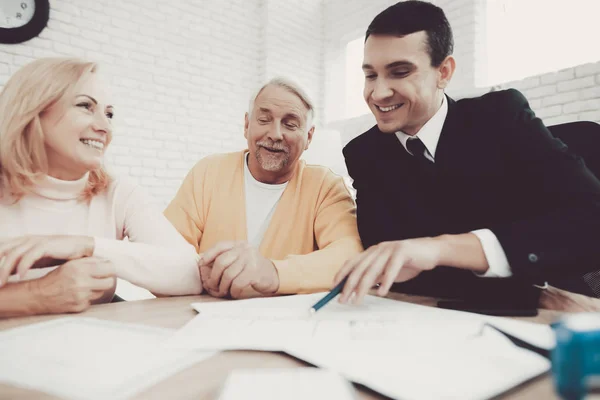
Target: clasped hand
x=75, y=285
x=239, y=270
x=22, y=253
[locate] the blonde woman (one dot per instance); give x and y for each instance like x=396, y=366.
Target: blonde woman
x=59, y=206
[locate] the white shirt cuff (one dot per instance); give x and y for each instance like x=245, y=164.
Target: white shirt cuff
x=494, y=254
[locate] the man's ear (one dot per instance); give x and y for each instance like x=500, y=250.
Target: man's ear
x=246, y=123
x=310, y=135
x=446, y=70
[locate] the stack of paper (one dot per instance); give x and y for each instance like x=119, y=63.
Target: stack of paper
x=399, y=349
x=272, y=324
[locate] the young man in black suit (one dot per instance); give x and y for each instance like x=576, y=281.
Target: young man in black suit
x=471, y=199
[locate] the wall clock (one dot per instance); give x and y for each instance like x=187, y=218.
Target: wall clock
x=21, y=20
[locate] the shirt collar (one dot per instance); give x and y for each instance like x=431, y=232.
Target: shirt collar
x=431, y=131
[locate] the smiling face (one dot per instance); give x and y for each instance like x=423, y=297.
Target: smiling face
x=277, y=134
x=77, y=129
x=402, y=88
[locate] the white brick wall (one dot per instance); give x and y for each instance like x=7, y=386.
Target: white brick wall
x=294, y=45
x=181, y=73
x=568, y=95
x=467, y=20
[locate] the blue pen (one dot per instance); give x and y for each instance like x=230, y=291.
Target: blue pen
x=329, y=296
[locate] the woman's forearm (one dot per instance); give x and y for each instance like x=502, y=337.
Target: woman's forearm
x=19, y=299
x=169, y=271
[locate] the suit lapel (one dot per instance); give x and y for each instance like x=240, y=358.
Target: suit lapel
x=448, y=146
x=389, y=154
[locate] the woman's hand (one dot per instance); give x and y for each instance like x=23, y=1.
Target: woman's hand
x=18, y=255
x=74, y=286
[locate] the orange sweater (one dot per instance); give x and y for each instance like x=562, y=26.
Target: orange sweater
x=312, y=232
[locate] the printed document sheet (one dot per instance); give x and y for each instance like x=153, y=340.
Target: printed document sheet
x=272, y=323
x=399, y=349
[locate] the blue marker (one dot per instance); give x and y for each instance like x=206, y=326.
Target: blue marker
x=329, y=296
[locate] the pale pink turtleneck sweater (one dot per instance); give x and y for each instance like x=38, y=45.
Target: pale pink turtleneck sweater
x=155, y=256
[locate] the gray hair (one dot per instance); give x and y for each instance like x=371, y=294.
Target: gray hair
x=293, y=88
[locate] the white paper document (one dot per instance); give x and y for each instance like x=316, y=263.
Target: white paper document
x=286, y=383
x=86, y=358
x=273, y=323
x=481, y=368
x=399, y=349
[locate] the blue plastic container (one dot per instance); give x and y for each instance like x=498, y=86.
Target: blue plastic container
x=576, y=357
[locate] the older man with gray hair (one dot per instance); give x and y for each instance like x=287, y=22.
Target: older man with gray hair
x=264, y=222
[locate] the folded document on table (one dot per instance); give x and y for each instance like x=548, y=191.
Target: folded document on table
x=87, y=358
x=481, y=368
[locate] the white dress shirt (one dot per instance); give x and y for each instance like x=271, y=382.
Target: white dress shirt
x=430, y=136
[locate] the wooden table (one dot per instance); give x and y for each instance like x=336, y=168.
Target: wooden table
x=204, y=380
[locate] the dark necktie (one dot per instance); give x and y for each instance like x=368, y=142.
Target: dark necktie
x=418, y=150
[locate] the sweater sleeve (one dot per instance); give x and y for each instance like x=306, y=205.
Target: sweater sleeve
x=184, y=210
x=336, y=236
x=155, y=256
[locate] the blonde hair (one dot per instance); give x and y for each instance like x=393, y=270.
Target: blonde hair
x=28, y=93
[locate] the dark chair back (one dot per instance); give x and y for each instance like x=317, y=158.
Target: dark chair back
x=583, y=138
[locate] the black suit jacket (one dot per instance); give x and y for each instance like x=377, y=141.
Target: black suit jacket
x=498, y=167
